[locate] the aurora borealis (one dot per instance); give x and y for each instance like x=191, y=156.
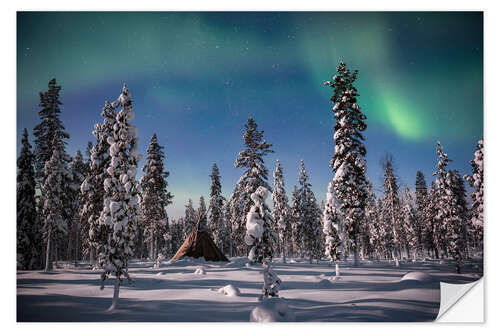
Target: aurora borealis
x=196, y=77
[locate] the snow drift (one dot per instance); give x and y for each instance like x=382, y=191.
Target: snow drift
x=272, y=310
x=417, y=276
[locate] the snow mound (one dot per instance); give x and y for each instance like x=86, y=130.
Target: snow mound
x=159, y=274
x=272, y=310
x=325, y=283
x=200, y=271
x=417, y=276
x=325, y=279
x=229, y=290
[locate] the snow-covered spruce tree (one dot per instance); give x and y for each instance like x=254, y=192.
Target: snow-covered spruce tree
x=261, y=239
x=476, y=181
x=462, y=210
x=393, y=209
x=49, y=129
x=53, y=205
x=77, y=167
x=381, y=230
x=448, y=210
x=454, y=221
x=432, y=230
x=421, y=197
x=231, y=213
x=310, y=216
x=121, y=209
x=420, y=193
x=348, y=162
x=297, y=225
x=441, y=196
x=281, y=210
x=331, y=227
x=201, y=215
x=88, y=153
x=259, y=235
x=28, y=238
x=190, y=218
x=225, y=236
x=368, y=224
x=411, y=226
x=216, y=222
x=251, y=159
x=83, y=230
x=176, y=235
x=154, y=197
x=93, y=233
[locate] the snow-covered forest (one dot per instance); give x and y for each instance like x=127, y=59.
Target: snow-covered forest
x=89, y=221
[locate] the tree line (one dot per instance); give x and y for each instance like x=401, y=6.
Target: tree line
x=71, y=208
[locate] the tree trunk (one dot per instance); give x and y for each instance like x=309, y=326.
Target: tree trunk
x=283, y=252
x=91, y=256
x=337, y=271
x=116, y=292
x=76, y=248
x=151, y=246
x=55, y=250
x=48, y=261
x=356, y=254
x=395, y=258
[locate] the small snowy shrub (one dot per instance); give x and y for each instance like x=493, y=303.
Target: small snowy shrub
x=200, y=271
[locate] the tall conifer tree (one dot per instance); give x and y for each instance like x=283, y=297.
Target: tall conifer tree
x=53, y=204
x=93, y=234
x=348, y=162
x=78, y=170
x=392, y=208
x=476, y=181
x=448, y=210
x=190, y=218
x=121, y=209
x=28, y=229
x=155, y=197
x=216, y=223
x=50, y=132
x=281, y=210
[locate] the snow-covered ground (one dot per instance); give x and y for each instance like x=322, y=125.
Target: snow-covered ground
x=175, y=292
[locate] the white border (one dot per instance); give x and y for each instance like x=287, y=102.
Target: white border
x=8, y=88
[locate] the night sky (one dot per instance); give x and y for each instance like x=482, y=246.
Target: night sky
x=195, y=78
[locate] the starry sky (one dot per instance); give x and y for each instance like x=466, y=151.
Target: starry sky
x=195, y=78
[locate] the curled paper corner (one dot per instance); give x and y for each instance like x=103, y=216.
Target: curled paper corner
x=461, y=303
